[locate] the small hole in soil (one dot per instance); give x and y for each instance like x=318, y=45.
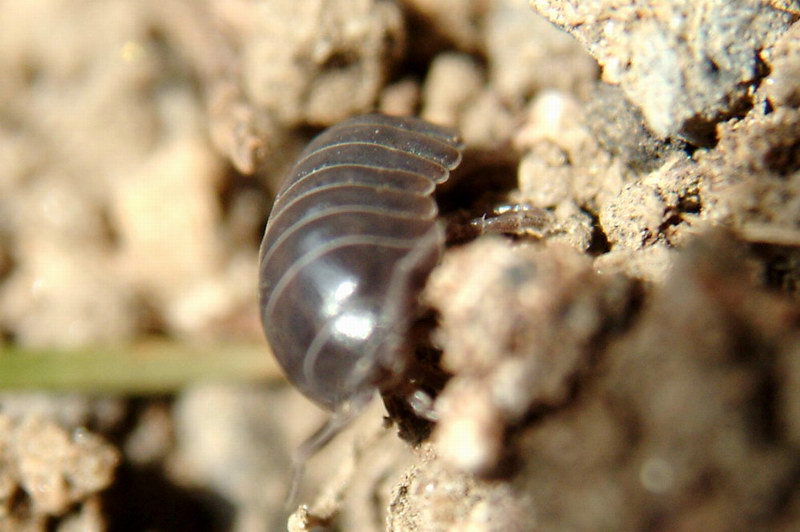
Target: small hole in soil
x=482, y=181
x=339, y=61
x=599, y=244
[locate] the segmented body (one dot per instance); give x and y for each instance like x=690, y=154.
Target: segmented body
x=350, y=241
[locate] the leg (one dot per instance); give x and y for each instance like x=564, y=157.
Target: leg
x=338, y=421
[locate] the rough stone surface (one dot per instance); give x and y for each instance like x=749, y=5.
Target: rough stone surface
x=431, y=496
x=683, y=63
x=501, y=372
x=620, y=130
x=784, y=58
x=319, y=62
x=57, y=470
x=659, y=422
x=517, y=38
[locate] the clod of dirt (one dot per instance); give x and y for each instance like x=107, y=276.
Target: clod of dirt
x=518, y=325
x=562, y=160
x=761, y=155
x=683, y=63
x=46, y=472
x=784, y=61
x=319, y=62
x=688, y=430
x=433, y=497
x=453, y=81
x=527, y=54
x=400, y=98
x=703, y=449
x=634, y=217
x=621, y=130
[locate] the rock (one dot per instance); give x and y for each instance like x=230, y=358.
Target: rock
x=454, y=80
x=507, y=362
x=686, y=64
x=319, y=62
x=401, y=98
x=431, y=496
x=620, y=129
x=527, y=54
x=784, y=61
x=57, y=470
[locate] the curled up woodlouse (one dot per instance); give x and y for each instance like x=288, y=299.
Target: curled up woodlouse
x=351, y=239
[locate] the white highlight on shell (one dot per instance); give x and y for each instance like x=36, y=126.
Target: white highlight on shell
x=333, y=304
x=355, y=326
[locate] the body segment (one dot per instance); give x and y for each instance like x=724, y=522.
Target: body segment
x=351, y=239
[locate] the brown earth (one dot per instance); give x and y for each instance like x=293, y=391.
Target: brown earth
x=632, y=363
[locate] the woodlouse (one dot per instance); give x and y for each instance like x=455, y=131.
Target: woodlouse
x=349, y=243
